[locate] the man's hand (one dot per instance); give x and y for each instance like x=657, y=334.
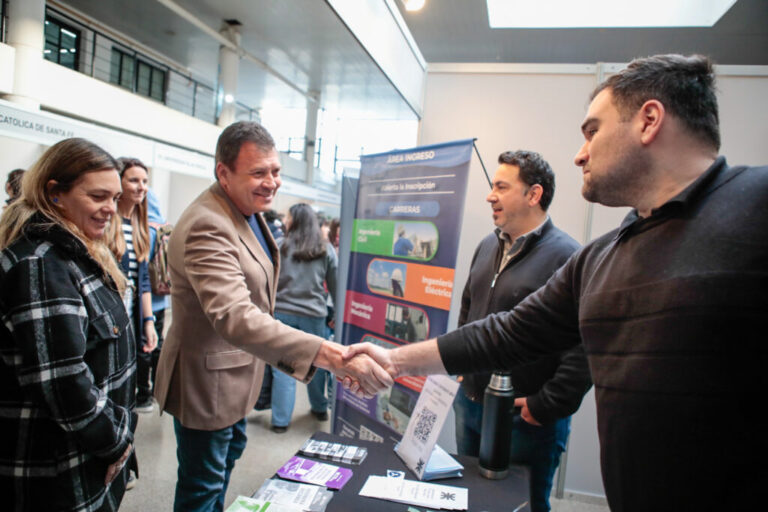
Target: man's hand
x=365, y=376
x=525, y=413
x=114, y=469
x=151, y=336
x=422, y=358
x=379, y=354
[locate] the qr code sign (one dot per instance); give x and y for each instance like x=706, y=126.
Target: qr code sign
x=424, y=425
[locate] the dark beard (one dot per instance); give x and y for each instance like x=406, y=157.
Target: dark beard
x=623, y=185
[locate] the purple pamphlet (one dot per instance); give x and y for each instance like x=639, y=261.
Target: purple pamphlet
x=312, y=472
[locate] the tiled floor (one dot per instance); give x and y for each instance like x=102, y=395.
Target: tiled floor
x=266, y=451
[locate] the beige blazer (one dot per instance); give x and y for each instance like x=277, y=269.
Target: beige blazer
x=222, y=330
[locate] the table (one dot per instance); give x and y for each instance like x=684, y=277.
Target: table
x=484, y=495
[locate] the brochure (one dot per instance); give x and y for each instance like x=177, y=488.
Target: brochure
x=413, y=492
x=313, y=472
x=441, y=465
x=308, y=498
x=245, y=504
x=336, y=452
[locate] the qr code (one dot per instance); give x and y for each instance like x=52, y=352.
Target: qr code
x=424, y=424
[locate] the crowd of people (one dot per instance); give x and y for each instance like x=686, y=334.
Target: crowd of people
x=664, y=314
x=84, y=331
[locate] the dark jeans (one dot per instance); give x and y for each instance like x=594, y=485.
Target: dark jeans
x=539, y=448
x=206, y=459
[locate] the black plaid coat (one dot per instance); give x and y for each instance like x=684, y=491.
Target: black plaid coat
x=67, y=377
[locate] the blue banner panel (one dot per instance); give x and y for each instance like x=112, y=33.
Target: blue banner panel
x=403, y=247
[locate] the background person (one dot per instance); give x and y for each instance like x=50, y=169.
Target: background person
x=307, y=262
x=129, y=241
x=67, y=382
x=334, y=231
x=159, y=302
x=13, y=185
x=509, y=264
x=274, y=223
x=670, y=307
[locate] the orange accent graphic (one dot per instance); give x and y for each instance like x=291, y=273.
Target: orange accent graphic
x=431, y=286
x=413, y=282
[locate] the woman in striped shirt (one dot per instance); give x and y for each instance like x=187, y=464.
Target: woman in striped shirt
x=129, y=241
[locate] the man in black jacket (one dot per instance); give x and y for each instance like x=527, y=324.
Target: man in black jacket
x=508, y=265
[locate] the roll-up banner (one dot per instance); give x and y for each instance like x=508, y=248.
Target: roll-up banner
x=403, y=250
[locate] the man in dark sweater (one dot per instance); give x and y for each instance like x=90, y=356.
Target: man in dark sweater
x=670, y=307
x=508, y=265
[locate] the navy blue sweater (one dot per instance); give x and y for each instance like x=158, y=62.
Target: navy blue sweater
x=554, y=384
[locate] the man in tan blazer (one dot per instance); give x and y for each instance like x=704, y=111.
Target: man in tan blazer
x=224, y=266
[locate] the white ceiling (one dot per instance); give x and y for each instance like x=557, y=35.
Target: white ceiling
x=303, y=40
x=306, y=42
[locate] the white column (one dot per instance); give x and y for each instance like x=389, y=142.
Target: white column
x=310, y=134
x=229, y=63
x=25, y=35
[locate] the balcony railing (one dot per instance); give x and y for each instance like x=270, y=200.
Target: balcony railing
x=180, y=91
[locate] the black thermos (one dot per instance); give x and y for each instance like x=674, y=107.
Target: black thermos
x=495, y=437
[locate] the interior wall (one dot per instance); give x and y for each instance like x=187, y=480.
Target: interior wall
x=538, y=112
x=542, y=111
x=184, y=189
x=743, y=115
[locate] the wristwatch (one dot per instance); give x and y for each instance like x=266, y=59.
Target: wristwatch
x=148, y=318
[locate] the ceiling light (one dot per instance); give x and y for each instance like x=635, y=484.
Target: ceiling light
x=413, y=5
x=605, y=13
x=228, y=98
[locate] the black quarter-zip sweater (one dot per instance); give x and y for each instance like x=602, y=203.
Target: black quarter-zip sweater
x=672, y=312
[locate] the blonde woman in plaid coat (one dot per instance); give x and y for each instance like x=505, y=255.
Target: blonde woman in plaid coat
x=67, y=355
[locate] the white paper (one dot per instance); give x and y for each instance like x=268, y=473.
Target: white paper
x=426, y=421
x=417, y=493
x=289, y=493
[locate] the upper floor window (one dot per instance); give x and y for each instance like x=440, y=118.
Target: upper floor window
x=62, y=43
x=137, y=75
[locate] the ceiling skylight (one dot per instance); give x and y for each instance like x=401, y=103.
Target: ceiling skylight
x=605, y=13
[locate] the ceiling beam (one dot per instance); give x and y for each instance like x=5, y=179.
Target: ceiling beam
x=242, y=52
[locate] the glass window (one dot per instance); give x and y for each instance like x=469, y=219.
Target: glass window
x=141, y=77
x=128, y=63
x=144, y=76
x=62, y=43
x=121, y=69
x=157, y=85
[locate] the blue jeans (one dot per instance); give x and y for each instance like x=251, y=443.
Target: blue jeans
x=539, y=448
x=284, y=386
x=206, y=459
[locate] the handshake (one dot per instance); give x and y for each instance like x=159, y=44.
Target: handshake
x=365, y=368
